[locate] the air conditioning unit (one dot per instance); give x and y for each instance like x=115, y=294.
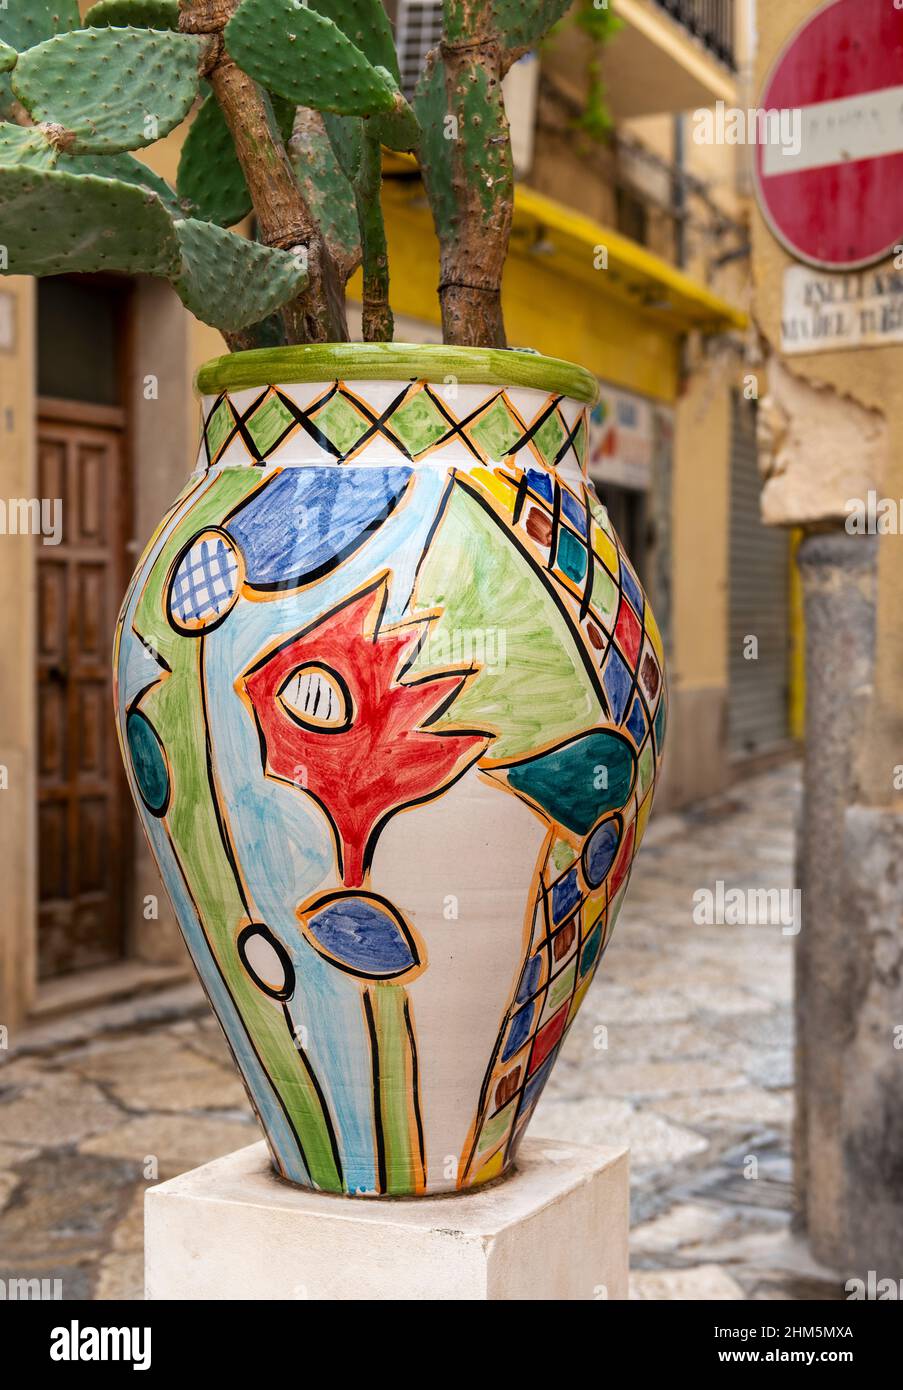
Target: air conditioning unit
x=418, y=28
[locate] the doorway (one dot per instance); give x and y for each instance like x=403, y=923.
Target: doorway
x=82, y=473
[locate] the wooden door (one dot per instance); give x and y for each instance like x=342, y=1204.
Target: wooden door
x=81, y=869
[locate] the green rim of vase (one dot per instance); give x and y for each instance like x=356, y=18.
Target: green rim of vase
x=395, y=362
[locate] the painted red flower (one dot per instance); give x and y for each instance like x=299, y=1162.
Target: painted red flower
x=337, y=719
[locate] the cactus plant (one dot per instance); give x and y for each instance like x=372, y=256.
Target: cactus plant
x=298, y=98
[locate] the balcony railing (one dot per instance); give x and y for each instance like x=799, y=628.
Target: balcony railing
x=709, y=21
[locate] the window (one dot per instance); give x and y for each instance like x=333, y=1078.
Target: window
x=78, y=332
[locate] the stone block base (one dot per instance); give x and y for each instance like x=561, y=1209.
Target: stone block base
x=556, y=1229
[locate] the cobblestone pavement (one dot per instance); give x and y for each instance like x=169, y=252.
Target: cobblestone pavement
x=682, y=1050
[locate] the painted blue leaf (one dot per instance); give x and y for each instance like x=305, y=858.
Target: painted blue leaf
x=307, y=520
x=362, y=935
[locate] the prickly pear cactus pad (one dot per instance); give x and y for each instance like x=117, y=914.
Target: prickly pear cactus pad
x=57, y=223
x=31, y=146
x=152, y=14
x=125, y=169
x=8, y=57
x=24, y=23
x=327, y=189
x=366, y=24
x=303, y=56
x=210, y=177
x=400, y=129
x=229, y=281
x=25, y=145
x=346, y=135
x=110, y=90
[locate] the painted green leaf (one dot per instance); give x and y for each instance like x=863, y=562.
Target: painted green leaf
x=112, y=89
x=230, y=282
x=210, y=176
x=25, y=23
x=56, y=223
x=327, y=190
x=302, y=55
x=366, y=24
x=565, y=780
x=144, y=14
x=25, y=145
x=541, y=653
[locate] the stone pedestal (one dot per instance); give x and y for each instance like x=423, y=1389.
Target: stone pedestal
x=555, y=1230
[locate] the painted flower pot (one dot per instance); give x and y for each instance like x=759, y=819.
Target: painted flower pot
x=392, y=704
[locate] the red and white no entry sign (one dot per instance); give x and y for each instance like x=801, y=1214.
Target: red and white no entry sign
x=834, y=196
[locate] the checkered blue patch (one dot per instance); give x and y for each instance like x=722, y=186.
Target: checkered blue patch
x=206, y=581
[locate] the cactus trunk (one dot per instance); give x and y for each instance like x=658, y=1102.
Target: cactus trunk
x=468, y=171
x=284, y=220
x=474, y=251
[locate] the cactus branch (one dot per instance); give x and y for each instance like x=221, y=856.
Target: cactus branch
x=378, y=323
x=284, y=219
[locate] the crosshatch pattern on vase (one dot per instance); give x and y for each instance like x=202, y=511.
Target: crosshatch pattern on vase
x=305, y=602
x=419, y=420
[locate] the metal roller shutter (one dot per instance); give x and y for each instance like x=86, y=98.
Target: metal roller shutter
x=759, y=603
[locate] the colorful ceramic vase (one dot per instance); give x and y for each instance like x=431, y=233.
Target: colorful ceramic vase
x=391, y=701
